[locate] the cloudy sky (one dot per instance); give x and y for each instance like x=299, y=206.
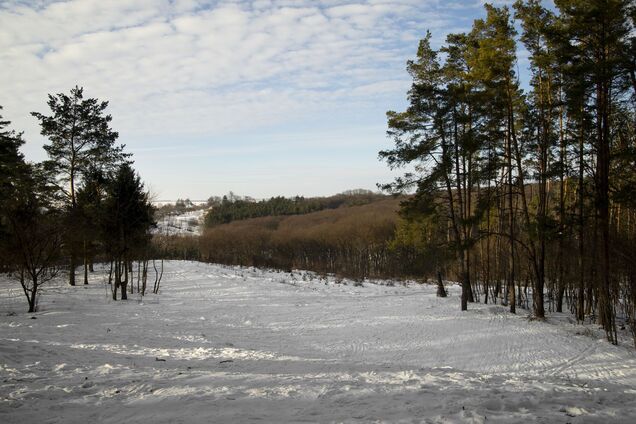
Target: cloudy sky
x=261, y=97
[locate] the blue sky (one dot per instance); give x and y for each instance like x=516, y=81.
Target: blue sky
x=260, y=97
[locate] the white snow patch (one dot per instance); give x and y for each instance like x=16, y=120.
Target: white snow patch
x=229, y=344
x=187, y=223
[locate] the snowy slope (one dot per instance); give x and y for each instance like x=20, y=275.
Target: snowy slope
x=223, y=344
x=188, y=223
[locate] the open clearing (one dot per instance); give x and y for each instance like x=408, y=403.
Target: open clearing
x=229, y=344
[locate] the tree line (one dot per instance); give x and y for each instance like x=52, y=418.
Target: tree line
x=528, y=191
x=234, y=208
x=357, y=242
x=349, y=241
x=84, y=202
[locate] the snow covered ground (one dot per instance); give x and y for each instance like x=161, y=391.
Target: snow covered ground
x=223, y=344
x=188, y=223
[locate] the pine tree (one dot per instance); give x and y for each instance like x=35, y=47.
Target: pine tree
x=127, y=216
x=80, y=140
x=33, y=237
x=540, y=132
x=436, y=132
x=29, y=223
x=90, y=197
x=11, y=159
x=598, y=36
x=12, y=170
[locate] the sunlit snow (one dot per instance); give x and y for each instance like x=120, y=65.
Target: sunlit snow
x=229, y=344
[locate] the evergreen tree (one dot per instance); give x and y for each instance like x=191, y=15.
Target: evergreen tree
x=552, y=168
x=540, y=132
x=435, y=133
x=81, y=140
x=29, y=223
x=597, y=37
x=33, y=236
x=11, y=160
x=127, y=216
x=12, y=170
x=90, y=197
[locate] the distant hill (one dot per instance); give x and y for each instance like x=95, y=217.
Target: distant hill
x=236, y=209
x=347, y=239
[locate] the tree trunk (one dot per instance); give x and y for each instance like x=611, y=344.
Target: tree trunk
x=117, y=281
x=124, y=284
x=154, y=286
x=537, y=297
x=144, y=277
x=158, y=277
x=441, y=291
x=580, y=309
x=562, y=223
x=34, y=292
x=560, y=295
x=71, y=274
x=464, y=282
x=85, y=264
x=511, y=239
x=131, y=269
x=139, y=277
x=469, y=286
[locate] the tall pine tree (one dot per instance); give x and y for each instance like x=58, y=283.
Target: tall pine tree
x=81, y=139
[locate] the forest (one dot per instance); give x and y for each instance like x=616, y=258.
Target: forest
x=532, y=187
x=229, y=209
x=524, y=192
x=84, y=203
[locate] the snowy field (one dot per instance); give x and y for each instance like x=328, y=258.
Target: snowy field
x=236, y=345
x=188, y=223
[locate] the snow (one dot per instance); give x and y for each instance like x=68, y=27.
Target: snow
x=187, y=223
x=229, y=344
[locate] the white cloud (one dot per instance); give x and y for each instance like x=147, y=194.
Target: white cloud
x=209, y=68
x=135, y=50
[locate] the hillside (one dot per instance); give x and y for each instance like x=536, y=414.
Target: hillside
x=224, y=211
x=333, y=240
